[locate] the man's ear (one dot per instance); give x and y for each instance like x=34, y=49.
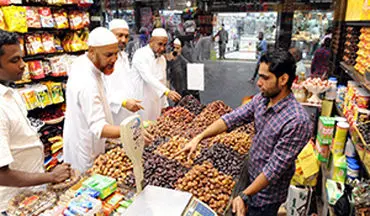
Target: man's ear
x=284, y=79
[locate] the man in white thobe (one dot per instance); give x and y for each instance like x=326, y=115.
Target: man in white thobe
x=149, y=74
x=120, y=89
x=88, y=117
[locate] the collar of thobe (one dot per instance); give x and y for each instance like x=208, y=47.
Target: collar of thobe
x=101, y=88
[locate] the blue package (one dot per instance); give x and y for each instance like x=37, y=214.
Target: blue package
x=87, y=191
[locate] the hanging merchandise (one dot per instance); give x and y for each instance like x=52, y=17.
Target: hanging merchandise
x=61, y=19
x=33, y=17
x=48, y=42
x=46, y=17
x=34, y=44
x=15, y=18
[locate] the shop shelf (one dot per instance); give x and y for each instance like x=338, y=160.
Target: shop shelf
x=351, y=71
x=358, y=23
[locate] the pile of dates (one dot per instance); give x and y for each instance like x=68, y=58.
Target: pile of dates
x=192, y=104
x=163, y=172
x=218, y=107
x=115, y=163
x=208, y=185
x=172, y=147
x=240, y=142
x=223, y=159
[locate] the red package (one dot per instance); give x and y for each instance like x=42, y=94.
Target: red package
x=33, y=18
x=76, y=20
x=86, y=19
x=48, y=42
x=46, y=17
x=36, y=69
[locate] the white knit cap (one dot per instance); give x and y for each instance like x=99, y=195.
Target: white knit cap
x=101, y=36
x=159, y=32
x=177, y=42
x=118, y=23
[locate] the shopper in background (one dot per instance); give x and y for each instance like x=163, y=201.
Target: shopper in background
x=89, y=119
x=149, y=75
x=223, y=39
x=282, y=130
x=328, y=34
x=177, y=72
x=119, y=86
x=301, y=68
x=261, y=50
x=203, y=48
x=21, y=151
x=320, y=61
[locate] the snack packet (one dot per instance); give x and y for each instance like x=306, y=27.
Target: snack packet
x=33, y=17
x=15, y=18
x=61, y=19
x=48, y=42
x=46, y=17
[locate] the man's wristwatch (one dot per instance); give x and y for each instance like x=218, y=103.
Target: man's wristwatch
x=244, y=197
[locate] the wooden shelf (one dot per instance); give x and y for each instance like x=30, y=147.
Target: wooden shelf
x=355, y=75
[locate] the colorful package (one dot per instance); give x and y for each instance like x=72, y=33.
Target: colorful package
x=34, y=44
x=326, y=129
x=48, y=42
x=29, y=98
x=47, y=67
x=58, y=66
x=76, y=20
x=21, y=44
x=86, y=19
x=43, y=96
x=46, y=17
x=36, y=69
x=56, y=92
x=58, y=44
x=61, y=19
x=15, y=18
x=4, y=2
x=33, y=17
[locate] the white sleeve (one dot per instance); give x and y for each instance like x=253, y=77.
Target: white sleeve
x=93, y=110
x=142, y=66
x=5, y=155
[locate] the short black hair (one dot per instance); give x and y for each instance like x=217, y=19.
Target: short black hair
x=7, y=38
x=280, y=61
x=327, y=42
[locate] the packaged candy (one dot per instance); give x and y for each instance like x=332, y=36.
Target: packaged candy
x=86, y=19
x=46, y=17
x=58, y=44
x=58, y=66
x=15, y=18
x=73, y=43
x=2, y=21
x=56, y=92
x=61, y=19
x=36, y=69
x=29, y=98
x=34, y=44
x=21, y=44
x=33, y=17
x=48, y=42
x=43, y=96
x=76, y=20
x=47, y=67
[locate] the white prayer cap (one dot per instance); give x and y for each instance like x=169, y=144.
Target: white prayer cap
x=101, y=36
x=177, y=42
x=118, y=23
x=159, y=32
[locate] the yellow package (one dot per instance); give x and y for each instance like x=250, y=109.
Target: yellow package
x=76, y=43
x=15, y=18
x=2, y=21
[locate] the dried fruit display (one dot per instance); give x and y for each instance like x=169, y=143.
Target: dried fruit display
x=192, y=104
x=175, y=145
x=163, y=172
x=240, y=142
x=223, y=159
x=115, y=163
x=208, y=185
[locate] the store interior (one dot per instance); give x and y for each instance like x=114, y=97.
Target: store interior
x=332, y=172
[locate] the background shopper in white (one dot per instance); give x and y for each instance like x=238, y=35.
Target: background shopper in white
x=149, y=74
x=21, y=151
x=120, y=89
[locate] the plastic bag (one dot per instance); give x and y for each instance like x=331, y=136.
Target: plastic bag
x=15, y=18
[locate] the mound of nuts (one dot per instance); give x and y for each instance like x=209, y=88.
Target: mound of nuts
x=175, y=145
x=223, y=159
x=115, y=163
x=208, y=185
x=240, y=142
x=163, y=172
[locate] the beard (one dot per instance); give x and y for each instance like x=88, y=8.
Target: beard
x=273, y=92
